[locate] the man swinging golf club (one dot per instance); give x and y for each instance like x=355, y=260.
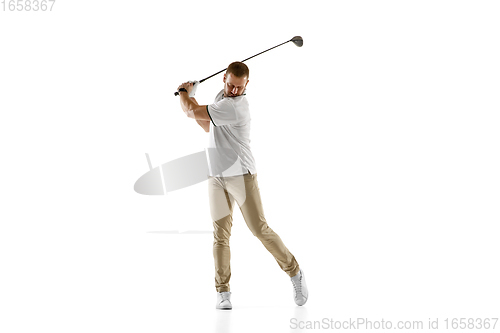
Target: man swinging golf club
x=233, y=178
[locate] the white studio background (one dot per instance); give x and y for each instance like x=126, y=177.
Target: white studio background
x=377, y=149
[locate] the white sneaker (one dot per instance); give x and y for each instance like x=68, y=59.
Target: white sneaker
x=224, y=301
x=300, y=293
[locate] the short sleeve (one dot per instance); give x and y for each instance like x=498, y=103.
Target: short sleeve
x=222, y=112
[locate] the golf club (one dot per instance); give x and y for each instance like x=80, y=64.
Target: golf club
x=297, y=40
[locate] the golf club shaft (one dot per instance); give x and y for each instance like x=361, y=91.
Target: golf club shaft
x=177, y=93
x=266, y=50
x=243, y=61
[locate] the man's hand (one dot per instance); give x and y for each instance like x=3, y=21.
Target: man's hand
x=195, y=86
x=186, y=85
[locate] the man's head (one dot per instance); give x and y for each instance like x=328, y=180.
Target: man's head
x=236, y=79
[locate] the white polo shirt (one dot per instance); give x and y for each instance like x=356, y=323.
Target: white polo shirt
x=229, y=136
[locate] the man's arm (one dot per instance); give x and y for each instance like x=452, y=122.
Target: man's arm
x=190, y=107
x=205, y=124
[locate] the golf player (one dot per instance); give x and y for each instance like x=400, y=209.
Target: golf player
x=233, y=178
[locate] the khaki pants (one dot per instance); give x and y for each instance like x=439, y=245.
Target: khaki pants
x=223, y=192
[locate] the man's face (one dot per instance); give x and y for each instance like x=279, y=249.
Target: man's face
x=233, y=85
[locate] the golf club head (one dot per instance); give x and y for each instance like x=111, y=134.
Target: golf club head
x=297, y=40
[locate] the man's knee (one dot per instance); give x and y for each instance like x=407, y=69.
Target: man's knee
x=222, y=230
x=260, y=230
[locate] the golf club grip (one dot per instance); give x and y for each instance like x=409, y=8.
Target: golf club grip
x=177, y=92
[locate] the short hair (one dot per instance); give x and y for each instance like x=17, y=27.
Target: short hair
x=238, y=69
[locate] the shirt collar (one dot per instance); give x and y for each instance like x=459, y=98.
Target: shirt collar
x=244, y=94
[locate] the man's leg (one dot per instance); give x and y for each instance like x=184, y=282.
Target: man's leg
x=221, y=210
x=250, y=203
